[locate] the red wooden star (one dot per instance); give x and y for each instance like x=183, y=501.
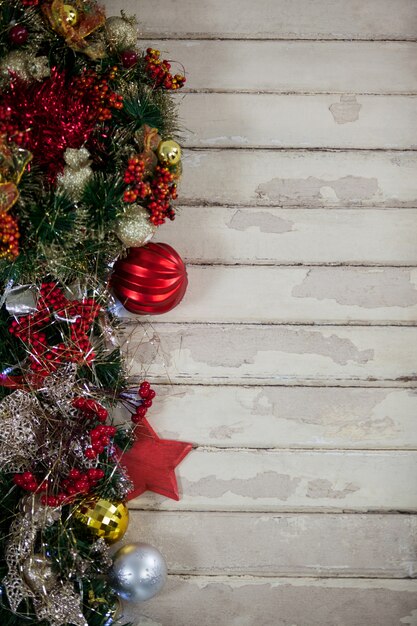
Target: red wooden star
x=151, y=462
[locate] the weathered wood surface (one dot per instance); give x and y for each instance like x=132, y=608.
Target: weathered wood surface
x=300, y=19
x=296, y=67
x=279, y=355
x=299, y=121
x=246, y=601
x=293, y=480
x=298, y=295
x=281, y=545
x=305, y=179
x=268, y=236
x=287, y=417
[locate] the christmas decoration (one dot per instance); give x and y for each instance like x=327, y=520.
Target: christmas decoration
x=89, y=169
x=102, y=518
x=150, y=280
x=151, y=462
x=134, y=227
x=139, y=572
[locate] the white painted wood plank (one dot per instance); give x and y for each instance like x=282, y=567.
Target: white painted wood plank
x=281, y=545
x=274, y=19
x=245, y=601
x=287, y=417
x=292, y=480
x=299, y=121
x=295, y=67
x=279, y=355
x=269, y=235
x=297, y=295
x=308, y=179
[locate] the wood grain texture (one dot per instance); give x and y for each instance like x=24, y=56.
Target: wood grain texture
x=298, y=295
x=287, y=417
x=297, y=66
x=293, y=480
x=300, y=19
x=299, y=121
x=278, y=355
x=281, y=545
x=245, y=601
x=269, y=236
x=304, y=179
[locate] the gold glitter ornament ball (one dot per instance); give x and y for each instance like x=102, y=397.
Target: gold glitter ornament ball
x=134, y=227
x=70, y=14
x=102, y=518
x=121, y=33
x=38, y=574
x=169, y=152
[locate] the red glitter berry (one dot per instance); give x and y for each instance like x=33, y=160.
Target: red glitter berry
x=18, y=35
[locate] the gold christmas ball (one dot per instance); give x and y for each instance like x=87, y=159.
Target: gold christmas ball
x=121, y=33
x=38, y=574
x=134, y=227
x=102, y=518
x=70, y=14
x=169, y=152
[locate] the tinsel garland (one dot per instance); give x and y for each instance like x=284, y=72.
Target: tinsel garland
x=89, y=167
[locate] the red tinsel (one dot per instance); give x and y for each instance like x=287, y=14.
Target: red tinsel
x=47, y=118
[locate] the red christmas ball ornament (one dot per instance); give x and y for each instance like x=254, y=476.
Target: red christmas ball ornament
x=129, y=58
x=150, y=280
x=18, y=35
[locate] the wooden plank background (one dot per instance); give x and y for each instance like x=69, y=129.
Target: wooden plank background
x=292, y=361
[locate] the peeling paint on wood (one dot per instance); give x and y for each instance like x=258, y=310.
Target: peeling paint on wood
x=287, y=417
x=280, y=544
x=299, y=121
x=297, y=295
x=275, y=19
x=232, y=480
x=296, y=66
x=215, y=601
x=273, y=354
x=292, y=236
x=300, y=179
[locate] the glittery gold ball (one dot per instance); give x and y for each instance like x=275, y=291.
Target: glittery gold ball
x=169, y=152
x=134, y=227
x=70, y=14
x=38, y=574
x=102, y=518
x=121, y=33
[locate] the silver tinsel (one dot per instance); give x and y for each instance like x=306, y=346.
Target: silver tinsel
x=60, y=605
x=20, y=421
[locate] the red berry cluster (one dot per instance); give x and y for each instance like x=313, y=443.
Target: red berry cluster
x=100, y=436
x=74, y=484
x=156, y=194
x=147, y=394
x=158, y=71
x=97, y=93
x=32, y=330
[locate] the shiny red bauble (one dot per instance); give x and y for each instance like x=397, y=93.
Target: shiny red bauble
x=129, y=58
x=18, y=35
x=150, y=280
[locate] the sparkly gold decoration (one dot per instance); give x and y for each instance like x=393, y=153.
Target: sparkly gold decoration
x=38, y=573
x=169, y=152
x=134, y=227
x=103, y=518
x=121, y=33
x=24, y=65
x=77, y=172
x=20, y=418
x=70, y=14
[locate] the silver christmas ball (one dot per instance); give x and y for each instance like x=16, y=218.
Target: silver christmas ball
x=121, y=33
x=138, y=572
x=134, y=227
